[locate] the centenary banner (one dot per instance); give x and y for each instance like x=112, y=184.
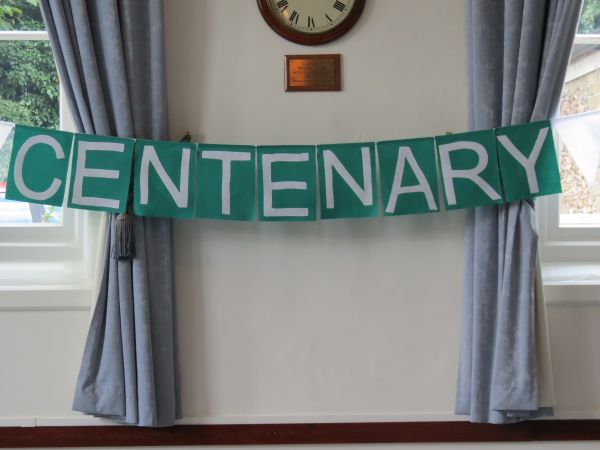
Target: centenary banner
x=188, y=180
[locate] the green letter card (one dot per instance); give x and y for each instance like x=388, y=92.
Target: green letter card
x=347, y=180
x=39, y=165
x=408, y=176
x=100, y=172
x=469, y=169
x=165, y=174
x=226, y=180
x=528, y=164
x=286, y=183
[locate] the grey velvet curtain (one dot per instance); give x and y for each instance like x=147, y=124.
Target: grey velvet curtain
x=110, y=57
x=517, y=54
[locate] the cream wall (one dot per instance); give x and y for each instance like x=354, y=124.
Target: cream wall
x=335, y=320
x=341, y=320
x=310, y=321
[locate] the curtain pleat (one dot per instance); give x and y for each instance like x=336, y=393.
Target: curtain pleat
x=517, y=56
x=110, y=57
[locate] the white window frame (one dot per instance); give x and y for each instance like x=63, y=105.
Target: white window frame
x=50, y=267
x=565, y=244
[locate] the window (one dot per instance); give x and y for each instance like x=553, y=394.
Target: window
x=47, y=254
x=29, y=94
x=570, y=222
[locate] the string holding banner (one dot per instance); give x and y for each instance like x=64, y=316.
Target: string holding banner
x=196, y=180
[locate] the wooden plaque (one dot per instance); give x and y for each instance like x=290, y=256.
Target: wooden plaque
x=312, y=73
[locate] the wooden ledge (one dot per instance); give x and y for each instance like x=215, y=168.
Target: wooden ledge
x=284, y=434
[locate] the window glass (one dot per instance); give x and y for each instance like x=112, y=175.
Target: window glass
x=20, y=15
x=579, y=204
x=589, y=22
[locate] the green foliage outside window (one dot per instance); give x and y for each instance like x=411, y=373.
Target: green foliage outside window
x=590, y=17
x=28, y=80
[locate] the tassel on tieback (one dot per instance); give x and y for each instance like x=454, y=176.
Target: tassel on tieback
x=123, y=247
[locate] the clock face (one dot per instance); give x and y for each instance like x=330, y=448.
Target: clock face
x=311, y=21
x=311, y=16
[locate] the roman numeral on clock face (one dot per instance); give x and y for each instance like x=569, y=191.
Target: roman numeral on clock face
x=339, y=6
x=282, y=4
x=311, y=22
x=294, y=17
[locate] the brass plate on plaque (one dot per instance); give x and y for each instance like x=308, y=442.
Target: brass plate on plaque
x=312, y=73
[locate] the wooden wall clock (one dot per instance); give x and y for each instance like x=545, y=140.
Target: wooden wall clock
x=311, y=22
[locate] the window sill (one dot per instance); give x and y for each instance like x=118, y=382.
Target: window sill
x=571, y=273
x=44, y=286
x=571, y=283
x=58, y=276
x=58, y=285
x=45, y=298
